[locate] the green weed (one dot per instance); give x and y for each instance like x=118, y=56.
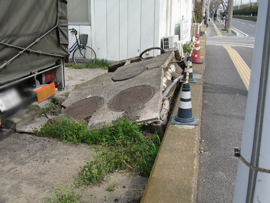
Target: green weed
x=111, y=186
x=119, y=147
x=186, y=48
x=53, y=107
x=71, y=65
x=66, y=94
x=63, y=194
x=100, y=63
x=47, y=107
x=32, y=106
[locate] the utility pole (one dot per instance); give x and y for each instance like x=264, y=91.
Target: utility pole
x=253, y=177
x=230, y=12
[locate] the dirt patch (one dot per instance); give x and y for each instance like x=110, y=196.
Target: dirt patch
x=129, y=189
x=31, y=166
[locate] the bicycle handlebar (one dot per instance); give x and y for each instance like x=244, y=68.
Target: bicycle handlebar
x=73, y=30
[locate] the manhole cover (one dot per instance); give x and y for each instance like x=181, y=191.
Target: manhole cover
x=131, y=98
x=129, y=72
x=85, y=107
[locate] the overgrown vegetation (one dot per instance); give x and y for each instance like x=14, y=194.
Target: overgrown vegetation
x=63, y=194
x=100, y=63
x=186, y=48
x=119, y=147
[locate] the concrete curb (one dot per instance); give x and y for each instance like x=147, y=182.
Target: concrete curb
x=174, y=175
x=234, y=32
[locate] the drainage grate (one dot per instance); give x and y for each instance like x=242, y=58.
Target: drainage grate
x=132, y=97
x=129, y=72
x=85, y=108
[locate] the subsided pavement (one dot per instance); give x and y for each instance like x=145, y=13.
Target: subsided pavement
x=174, y=175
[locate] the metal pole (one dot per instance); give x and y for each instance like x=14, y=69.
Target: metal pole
x=253, y=177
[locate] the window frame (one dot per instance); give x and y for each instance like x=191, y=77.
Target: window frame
x=89, y=17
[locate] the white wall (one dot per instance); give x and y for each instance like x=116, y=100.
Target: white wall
x=122, y=29
x=172, y=12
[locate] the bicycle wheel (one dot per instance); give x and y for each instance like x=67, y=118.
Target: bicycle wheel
x=86, y=55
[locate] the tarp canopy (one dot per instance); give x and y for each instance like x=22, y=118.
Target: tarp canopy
x=38, y=25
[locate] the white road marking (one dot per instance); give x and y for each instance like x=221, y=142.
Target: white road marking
x=251, y=25
x=229, y=44
x=243, y=23
x=239, y=32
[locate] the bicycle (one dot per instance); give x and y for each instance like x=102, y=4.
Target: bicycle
x=81, y=52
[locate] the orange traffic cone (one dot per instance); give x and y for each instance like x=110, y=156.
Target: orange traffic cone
x=196, y=54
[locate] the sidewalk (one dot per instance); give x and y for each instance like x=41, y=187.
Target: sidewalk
x=215, y=30
x=174, y=175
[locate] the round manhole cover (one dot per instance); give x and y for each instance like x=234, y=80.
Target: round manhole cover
x=128, y=73
x=85, y=107
x=131, y=98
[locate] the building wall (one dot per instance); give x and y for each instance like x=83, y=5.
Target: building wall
x=124, y=28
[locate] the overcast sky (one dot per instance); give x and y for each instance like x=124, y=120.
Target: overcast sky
x=238, y=2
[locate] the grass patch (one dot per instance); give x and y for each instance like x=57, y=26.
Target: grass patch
x=63, y=194
x=224, y=29
x=100, y=63
x=120, y=147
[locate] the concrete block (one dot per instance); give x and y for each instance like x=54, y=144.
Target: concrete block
x=34, y=125
x=23, y=117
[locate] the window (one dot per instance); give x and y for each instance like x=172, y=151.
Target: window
x=79, y=12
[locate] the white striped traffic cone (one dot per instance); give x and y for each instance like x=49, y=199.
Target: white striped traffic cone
x=184, y=115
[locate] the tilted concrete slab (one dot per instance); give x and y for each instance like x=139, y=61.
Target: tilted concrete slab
x=104, y=86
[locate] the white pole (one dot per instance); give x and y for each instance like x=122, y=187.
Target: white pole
x=253, y=177
x=230, y=12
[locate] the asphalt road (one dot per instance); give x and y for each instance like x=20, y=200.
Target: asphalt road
x=223, y=112
x=245, y=39
x=247, y=27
